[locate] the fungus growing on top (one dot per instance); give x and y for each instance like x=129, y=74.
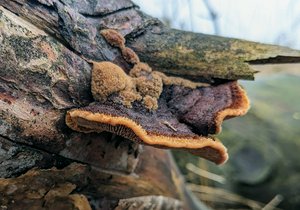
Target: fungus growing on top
x=107, y=79
x=152, y=108
x=113, y=37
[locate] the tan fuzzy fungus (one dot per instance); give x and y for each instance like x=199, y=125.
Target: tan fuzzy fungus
x=140, y=69
x=108, y=78
x=180, y=81
x=113, y=37
x=151, y=85
x=129, y=55
x=129, y=96
x=150, y=102
x=140, y=83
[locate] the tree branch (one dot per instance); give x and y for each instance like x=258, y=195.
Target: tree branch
x=191, y=55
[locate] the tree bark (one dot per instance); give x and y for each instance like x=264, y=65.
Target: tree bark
x=40, y=79
x=191, y=55
x=43, y=74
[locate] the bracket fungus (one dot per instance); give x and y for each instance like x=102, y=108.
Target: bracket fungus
x=151, y=108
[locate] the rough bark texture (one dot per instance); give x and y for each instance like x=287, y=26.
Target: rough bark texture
x=40, y=80
x=42, y=75
x=186, y=54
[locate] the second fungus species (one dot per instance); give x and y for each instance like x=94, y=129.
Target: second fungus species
x=129, y=55
x=150, y=102
x=140, y=69
x=107, y=78
x=154, y=109
x=113, y=37
x=151, y=85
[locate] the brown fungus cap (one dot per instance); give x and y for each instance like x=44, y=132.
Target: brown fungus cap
x=183, y=120
x=152, y=108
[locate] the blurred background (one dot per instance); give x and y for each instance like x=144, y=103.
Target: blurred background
x=263, y=171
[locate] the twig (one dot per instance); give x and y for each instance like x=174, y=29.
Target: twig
x=217, y=178
x=218, y=194
x=169, y=125
x=273, y=203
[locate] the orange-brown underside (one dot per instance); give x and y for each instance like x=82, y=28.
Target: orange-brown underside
x=194, y=145
x=203, y=146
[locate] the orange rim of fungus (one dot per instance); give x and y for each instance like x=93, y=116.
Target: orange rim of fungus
x=192, y=144
x=239, y=108
x=148, y=139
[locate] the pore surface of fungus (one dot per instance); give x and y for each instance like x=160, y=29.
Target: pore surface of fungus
x=152, y=108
